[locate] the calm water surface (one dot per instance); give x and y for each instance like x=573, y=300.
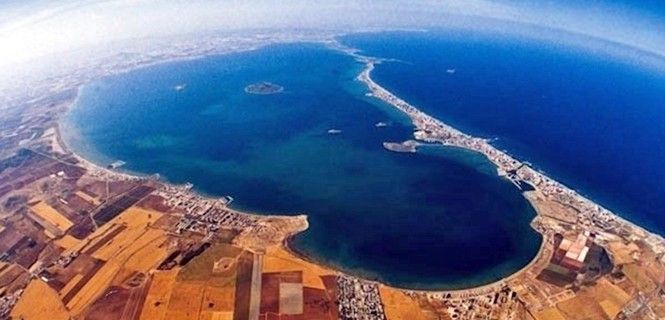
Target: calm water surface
x=440, y=218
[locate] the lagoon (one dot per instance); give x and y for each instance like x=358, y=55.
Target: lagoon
x=437, y=219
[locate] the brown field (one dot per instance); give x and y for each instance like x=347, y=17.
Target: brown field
x=186, y=300
x=52, y=216
x=581, y=307
x=20, y=282
x=277, y=259
x=93, y=288
x=216, y=299
x=88, y=197
x=136, y=300
x=117, y=243
x=128, y=242
x=290, y=298
x=49, y=306
x=132, y=218
x=9, y=273
x=550, y=314
x=654, y=269
x=269, y=293
x=154, y=202
x=638, y=277
x=49, y=234
x=67, y=242
x=549, y=208
x=201, y=267
x=110, y=305
x=71, y=284
x=397, y=305
x=157, y=301
x=610, y=297
x=220, y=316
x=622, y=253
x=195, y=291
x=318, y=304
x=137, y=217
x=98, y=240
x=149, y=256
x=601, y=301
x=243, y=285
x=9, y=238
x=92, y=239
x=84, y=265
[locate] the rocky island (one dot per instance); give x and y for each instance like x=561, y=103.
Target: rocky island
x=406, y=146
x=263, y=88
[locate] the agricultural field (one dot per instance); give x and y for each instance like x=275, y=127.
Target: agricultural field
x=52, y=216
x=400, y=306
x=159, y=294
x=277, y=259
x=49, y=307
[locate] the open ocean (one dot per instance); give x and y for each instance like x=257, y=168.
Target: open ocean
x=439, y=218
x=592, y=121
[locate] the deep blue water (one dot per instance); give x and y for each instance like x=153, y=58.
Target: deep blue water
x=439, y=218
x=593, y=122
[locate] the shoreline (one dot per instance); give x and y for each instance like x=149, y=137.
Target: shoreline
x=427, y=131
x=431, y=130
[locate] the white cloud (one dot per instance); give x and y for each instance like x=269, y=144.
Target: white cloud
x=42, y=28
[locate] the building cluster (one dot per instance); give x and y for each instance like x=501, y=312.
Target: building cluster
x=7, y=302
x=492, y=304
x=359, y=299
x=203, y=215
x=428, y=129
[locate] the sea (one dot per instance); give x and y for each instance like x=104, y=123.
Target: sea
x=439, y=218
x=592, y=120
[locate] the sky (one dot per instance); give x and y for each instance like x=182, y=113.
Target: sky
x=33, y=29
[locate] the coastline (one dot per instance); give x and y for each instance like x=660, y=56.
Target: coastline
x=431, y=130
x=427, y=127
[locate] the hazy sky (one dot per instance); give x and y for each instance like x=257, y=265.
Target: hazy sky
x=31, y=29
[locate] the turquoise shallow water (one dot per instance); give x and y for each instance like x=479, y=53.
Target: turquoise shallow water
x=439, y=218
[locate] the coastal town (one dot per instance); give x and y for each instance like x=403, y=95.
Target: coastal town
x=89, y=242
x=561, y=211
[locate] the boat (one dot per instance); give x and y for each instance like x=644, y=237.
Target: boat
x=116, y=164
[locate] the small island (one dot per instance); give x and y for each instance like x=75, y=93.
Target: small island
x=263, y=88
x=406, y=146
